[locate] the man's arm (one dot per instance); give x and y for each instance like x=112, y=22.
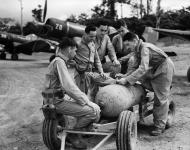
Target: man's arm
x=111, y=50
x=97, y=62
x=117, y=43
x=142, y=69
x=125, y=58
x=114, y=41
x=68, y=84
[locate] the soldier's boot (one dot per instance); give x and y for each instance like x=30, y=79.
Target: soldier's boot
x=157, y=131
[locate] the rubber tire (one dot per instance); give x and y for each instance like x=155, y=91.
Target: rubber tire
x=126, y=131
x=171, y=114
x=49, y=133
x=3, y=56
x=188, y=74
x=14, y=56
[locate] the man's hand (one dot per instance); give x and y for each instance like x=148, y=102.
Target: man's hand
x=122, y=81
x=119, y=76
x=103, y=75
x=96, y=109
x=116, y=62
x=91, y=45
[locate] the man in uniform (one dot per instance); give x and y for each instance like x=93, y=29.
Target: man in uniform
x=104, y=46
x=73, y=102
x=88, y=64
x=155, y=70
x=117, y=40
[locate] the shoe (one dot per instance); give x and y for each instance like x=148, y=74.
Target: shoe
x=157, y=131
x=75, y=141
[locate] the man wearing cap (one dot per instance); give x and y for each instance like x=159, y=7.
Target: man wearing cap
x=155, y=70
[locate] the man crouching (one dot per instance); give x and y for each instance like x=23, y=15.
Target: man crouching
x=58, y=78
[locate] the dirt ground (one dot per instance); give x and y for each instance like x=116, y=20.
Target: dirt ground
x=20, y=101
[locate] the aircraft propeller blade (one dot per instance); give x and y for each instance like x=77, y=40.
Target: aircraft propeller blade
x=45, y=11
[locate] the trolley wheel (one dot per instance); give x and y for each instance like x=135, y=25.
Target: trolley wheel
x=188, y=74
x=50, y=133
x=171, y=114
x=126, y=131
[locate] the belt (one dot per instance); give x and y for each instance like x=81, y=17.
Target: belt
x=88, y=69
x=53, y=93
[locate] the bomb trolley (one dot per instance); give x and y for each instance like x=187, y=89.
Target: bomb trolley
x=124, y=127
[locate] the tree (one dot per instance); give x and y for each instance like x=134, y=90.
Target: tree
x=37, y=14
x=158, y=13
x=82, y=18
x=72, y=18
x=99, y=11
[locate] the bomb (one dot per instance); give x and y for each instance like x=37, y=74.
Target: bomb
x=113, y=99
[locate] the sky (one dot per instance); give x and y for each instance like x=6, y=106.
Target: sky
x=62, y=9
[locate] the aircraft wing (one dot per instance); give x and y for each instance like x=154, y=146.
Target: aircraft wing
x=174, y=33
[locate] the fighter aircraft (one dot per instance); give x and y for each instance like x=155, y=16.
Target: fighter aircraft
x=45, y=40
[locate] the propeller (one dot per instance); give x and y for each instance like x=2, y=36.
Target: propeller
x=45, y=11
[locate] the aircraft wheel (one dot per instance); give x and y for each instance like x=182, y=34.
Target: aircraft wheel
x=126, y=131
x=171, y=114
x=50, y=133
x=3, y=56
x=188, y=74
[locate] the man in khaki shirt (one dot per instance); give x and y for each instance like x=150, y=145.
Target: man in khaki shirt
x=88, y=64
x=105, y=47
x=155, y=70
x=74, y=102
x=117, y=40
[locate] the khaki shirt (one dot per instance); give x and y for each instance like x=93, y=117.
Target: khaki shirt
x=104, y=44
x=85, y=56
x=59, y=76
x=149, y=57
x=117, y=42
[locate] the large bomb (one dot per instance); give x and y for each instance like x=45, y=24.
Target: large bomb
x=113, y=99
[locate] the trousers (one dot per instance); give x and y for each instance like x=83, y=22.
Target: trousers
x=83, y=113
x=160, y=83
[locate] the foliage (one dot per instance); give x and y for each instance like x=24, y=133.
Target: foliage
x=30, y=27
x=5, y=23
x=16, y=29
x=72, y=18
x=175, y=19
x=37, y=14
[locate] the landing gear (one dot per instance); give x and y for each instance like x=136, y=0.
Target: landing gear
x=3, y=55
x=14, y=56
